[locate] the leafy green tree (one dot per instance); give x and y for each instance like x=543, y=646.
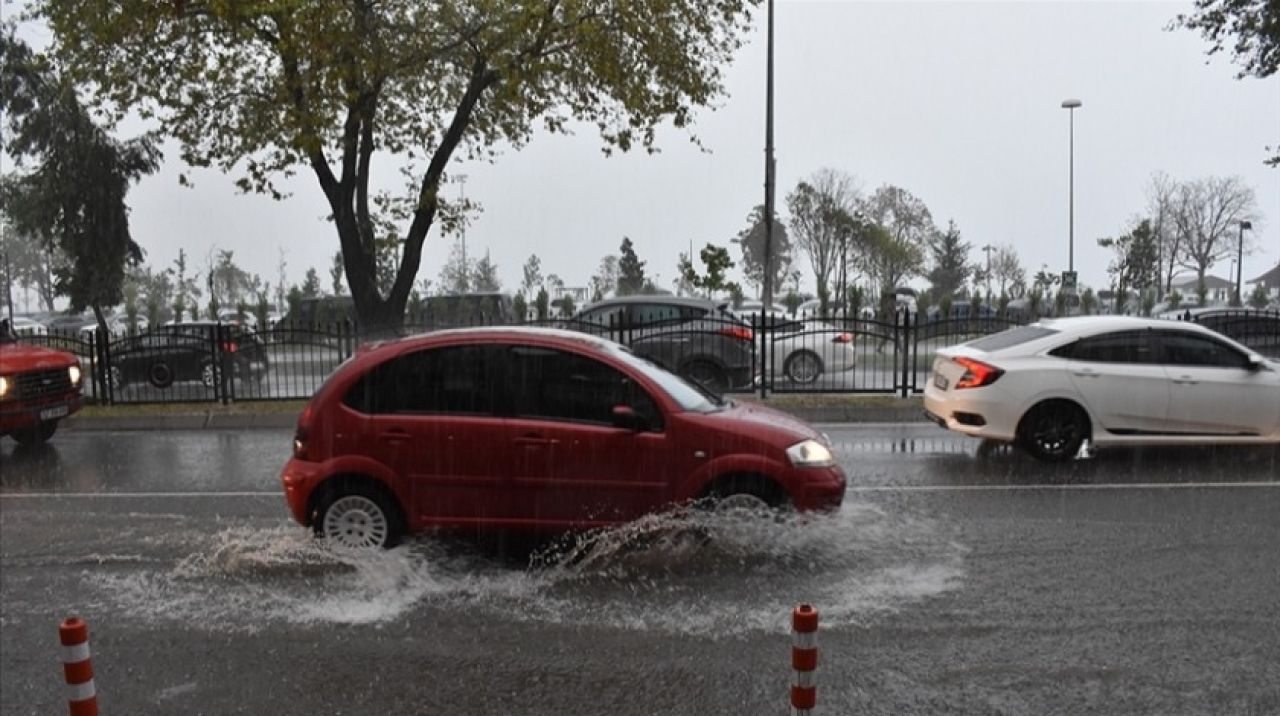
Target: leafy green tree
x=335, y=274
x=521, y=307
x=531, y=275
x=714, y=278
x=605, y=279
x=1250, y=29
x=1258, y=298
x=792, y=302
x=484, y=276
x=889, y=259
x=823, y=210
x=951, y=268
x=75, y=194
x=630, y=270
x=271, y=86
x=1175, y=300
x=455, y=274
x=751, y=241
x=1135, y=263
x=294, y=298
x=1088, y=302
x=542, y=304
x=311, y=284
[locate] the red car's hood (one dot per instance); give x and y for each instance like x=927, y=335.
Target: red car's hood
x=20, y=357
x=774, y=426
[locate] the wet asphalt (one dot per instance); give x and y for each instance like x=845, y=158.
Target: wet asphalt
x=958, y=578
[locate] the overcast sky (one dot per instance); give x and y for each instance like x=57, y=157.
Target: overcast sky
x=959, y=103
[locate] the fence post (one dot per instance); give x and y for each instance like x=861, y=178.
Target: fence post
x=804, y=659
x=77, y=667
x=757, y=328
x=907, y=367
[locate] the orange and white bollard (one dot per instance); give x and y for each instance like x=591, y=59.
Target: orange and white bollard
x=804, y=658
x=78, y=667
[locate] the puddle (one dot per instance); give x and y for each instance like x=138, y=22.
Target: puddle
x=687, y=572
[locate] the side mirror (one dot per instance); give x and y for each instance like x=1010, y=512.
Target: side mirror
x=1256, y=362
x=625, y=417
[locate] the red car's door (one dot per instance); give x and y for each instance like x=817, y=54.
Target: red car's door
x=575, y=467
x=433, y=419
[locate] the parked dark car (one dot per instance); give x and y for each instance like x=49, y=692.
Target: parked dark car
x=533, y=429
x=699, y=339
x=190, y=351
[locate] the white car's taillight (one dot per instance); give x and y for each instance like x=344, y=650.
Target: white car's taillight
x=976, y=373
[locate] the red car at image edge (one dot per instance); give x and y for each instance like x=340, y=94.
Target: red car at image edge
x=38, y=388
x=533, y=429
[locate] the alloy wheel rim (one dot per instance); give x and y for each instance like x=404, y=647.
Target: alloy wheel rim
x=804, y=369
x=742, y=503
x=355, y=522
x=206, y=375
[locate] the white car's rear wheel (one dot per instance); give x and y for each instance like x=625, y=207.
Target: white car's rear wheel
x=1053, y=430
x=803, y=367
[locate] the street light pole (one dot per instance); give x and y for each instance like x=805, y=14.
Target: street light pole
x=987, y=250
x=1240, y=261
x=768, y=168
x=1071, y=105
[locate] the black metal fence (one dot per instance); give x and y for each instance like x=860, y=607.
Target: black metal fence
x=213, y=362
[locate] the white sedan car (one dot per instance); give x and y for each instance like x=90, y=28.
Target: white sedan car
x=1052, y=385
x=804, y=350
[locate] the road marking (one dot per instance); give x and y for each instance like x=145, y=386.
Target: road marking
x=851, y=488
x=58, y=495
x=1049, y=488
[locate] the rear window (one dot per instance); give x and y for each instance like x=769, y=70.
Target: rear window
x=1012, y=337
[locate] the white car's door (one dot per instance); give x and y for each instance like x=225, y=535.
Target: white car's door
x=1120, y=381
x=1213, y=389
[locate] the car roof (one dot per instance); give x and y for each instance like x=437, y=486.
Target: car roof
x=1086, y=325
x=493, y=334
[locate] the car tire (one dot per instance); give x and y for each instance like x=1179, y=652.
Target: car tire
x=745, y=494
x=356, y=516
x=1053, y=431
x=708, y=375
x=160, y=375
x=803, y=367
x=36, y=435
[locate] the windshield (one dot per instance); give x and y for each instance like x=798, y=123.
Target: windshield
x=689, y=395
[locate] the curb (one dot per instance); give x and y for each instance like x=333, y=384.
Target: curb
x=910, y=412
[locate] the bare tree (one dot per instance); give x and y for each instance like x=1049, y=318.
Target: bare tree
x=821, y=209
x=1007, y=269
x=1162, y=193
x=1208, y=215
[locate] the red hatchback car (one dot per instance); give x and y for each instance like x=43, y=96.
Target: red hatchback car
x=537, y=429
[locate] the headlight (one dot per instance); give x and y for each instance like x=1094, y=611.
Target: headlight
x=4, y=386
x=74, y=373
x=810, y=453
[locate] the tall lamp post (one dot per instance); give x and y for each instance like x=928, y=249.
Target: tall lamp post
x=1240, y=260
x=1071, y=105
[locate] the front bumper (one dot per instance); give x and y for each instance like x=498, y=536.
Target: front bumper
x=299, y=478
x=822, y=489
x=19, y=414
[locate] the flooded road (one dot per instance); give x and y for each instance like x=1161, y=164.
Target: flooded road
x=958, y=577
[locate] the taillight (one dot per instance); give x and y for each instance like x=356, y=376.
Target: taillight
x=742, y=334
x=976, y=373
x=843, y=338
x=229, y=347
x=302, y=433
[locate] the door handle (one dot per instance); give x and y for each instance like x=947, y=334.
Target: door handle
x=394, y=435
x=1185, y=380
x=1086, y=373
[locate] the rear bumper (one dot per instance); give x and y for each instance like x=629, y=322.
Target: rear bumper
x=20, y=415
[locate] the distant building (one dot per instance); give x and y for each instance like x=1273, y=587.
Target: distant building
x=1270, y=282
x=1217, y=290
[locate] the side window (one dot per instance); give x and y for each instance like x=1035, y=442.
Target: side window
x=451, y=381
x=1119, y=347
x=556, y=385
x=644, y=315
x=605, y=317
x=1191, y=350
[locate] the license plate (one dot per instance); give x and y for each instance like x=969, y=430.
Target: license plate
x=940, y=381
x=51, y=413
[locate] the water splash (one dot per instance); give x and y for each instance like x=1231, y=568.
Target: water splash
x=687, y=571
